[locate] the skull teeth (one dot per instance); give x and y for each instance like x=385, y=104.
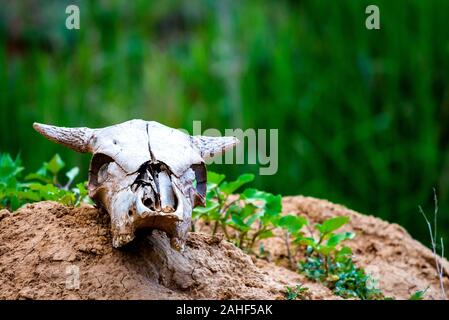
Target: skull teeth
x=121, y=240
x=177, y=244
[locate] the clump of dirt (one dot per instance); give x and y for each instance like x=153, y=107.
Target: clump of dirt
x=48, y=251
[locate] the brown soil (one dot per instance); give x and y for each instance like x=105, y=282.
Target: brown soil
x=41, y=242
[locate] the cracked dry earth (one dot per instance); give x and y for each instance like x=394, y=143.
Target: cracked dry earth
x=43, y=244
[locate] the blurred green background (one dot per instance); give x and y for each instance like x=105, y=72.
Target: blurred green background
x=362, y=115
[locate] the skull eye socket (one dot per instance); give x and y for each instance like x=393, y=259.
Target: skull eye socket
x=98, y=169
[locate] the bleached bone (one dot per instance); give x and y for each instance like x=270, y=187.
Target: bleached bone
x=142, y=173
x=166, y=192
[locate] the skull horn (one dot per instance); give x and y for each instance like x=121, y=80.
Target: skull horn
x=211, y=146
x=77, y=139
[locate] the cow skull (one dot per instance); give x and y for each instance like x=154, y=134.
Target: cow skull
x=143, y=173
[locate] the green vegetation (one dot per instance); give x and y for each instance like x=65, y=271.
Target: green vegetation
x=418, y=295
x=252, y=214
x=362, y=115
x=297, y=292
x=44, y=184
x=330, y=263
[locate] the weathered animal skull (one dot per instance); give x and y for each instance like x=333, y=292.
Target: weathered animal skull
x=143, y=173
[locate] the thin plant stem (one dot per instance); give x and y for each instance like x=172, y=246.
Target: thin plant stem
x=214, y=231
x=433, y=238
x=289, y=254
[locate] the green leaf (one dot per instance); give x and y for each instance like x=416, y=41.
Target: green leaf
x=238, y=222
x=215, y=178
x=266, y=234
x=292, y=223
x=82, y=187
x=270, y=204
x=253, y=219
x=273, y=205
x=9, y=168
x=35, y=186
x=344, y=251
x=71, y=174
x=325, y=250
x=343, y=255
x=255, y=195
x=294, y=293
x=14, y=203
x=67, y=198
x=305, y=241
x=332, y=224
x=210, y=206
x=55, y=165
x=6, y=161
x=336, y=239
x=28, y=195
x=248, y=210
x=230, y=187
x=38, y=177
x=419, y=295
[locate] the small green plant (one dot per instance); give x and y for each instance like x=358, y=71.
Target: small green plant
x=43, y=184
x=244, y=218
x=419, y=295
x=297, y=292
x=327, y=261
x=252, y=215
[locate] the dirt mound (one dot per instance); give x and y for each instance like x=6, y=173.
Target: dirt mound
x=385, y=250
x=46, y=248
